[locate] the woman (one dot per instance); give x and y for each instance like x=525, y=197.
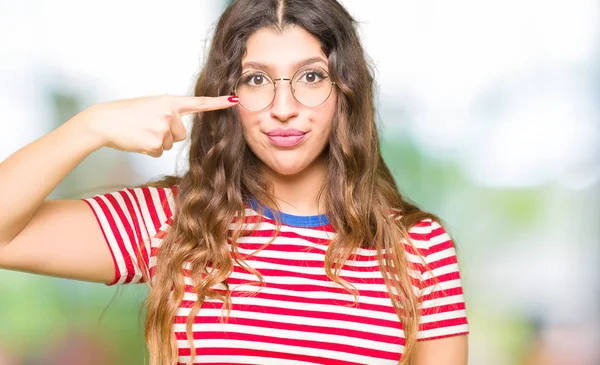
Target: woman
x=286, y=241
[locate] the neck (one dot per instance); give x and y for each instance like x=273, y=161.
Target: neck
x=297, y=194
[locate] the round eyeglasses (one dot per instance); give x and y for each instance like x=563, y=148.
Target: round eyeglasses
x=311, y=86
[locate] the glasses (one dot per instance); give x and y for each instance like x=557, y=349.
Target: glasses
x=311, y=86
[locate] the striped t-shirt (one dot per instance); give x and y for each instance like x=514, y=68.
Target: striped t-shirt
x=299, y=316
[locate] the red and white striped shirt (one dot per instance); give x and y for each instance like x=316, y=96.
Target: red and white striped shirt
x=300, y=316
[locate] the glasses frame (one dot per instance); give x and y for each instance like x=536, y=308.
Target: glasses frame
x=289, y=80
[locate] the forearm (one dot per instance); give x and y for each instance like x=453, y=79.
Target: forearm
x=29, y=175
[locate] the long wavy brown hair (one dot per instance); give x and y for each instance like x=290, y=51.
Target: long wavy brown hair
x=362, y=202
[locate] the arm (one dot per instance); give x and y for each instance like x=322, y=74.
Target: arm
x=442, y=351
x=57, y=238
x=63, y=237
x=29, y=175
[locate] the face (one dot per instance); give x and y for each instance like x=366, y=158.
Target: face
x=287, y=136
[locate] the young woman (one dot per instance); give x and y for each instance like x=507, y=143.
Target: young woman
x=286, y=242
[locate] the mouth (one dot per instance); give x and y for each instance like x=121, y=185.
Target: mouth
x=286, y=138
x=281, y=140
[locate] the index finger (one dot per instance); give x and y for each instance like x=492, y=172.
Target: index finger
x=196, y=104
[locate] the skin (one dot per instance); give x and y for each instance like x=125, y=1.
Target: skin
x=296, y=173
x=61, y=237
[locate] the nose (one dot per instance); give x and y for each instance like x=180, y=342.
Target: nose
x=284, y=105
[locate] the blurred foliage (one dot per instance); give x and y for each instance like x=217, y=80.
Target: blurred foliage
x=46, y=310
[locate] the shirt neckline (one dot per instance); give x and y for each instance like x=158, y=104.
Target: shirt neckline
x=304, y=221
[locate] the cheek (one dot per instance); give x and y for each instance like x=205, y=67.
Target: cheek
x=249, y=121
x=329, y=113
x=331, y=103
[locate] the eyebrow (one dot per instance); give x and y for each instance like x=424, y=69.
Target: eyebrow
x=302, y=63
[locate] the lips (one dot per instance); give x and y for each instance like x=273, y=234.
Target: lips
x=285, y=132
x=286, y=137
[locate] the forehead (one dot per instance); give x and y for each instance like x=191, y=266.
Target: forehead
x=282, y=51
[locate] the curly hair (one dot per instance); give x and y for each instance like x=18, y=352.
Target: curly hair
x=362, y=202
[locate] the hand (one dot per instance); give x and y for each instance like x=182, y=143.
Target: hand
x=148, y=125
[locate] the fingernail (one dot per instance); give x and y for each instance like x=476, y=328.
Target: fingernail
x=233, y=99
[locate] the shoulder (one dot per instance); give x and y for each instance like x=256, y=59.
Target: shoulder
x=155, y=203
x=428, y=235
x=163, y=197
x=142, y=196
x=147, y=205
x=427, y=227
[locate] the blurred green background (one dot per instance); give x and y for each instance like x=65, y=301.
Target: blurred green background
x=489, y=115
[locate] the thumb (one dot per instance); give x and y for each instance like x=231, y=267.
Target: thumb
x=178, y=129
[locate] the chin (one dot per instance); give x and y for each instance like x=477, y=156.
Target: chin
x=286, y=170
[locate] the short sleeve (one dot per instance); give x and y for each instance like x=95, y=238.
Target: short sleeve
x=131, y=219
x=443, y=311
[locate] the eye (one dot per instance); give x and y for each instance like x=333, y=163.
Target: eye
x=311, y=76
x=256, y=79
